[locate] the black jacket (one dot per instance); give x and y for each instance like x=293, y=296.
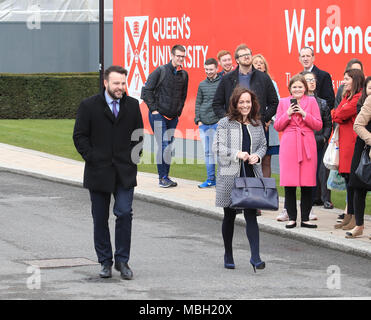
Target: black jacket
x=260, y=83
x=323, y=135
x=107, y=144
x=324, y=86
x=168, y=99
x=358, y=149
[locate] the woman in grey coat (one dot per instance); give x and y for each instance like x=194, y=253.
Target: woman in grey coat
x=239, y=139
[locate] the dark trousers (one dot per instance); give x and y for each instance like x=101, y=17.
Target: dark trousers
x=122, y=209
x=320, y=191
x=163, y=130
x=305, y=203
x=350, y=194
x=252, y=232
x=359, y=204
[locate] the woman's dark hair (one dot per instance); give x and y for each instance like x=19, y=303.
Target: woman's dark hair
x=235, y=114
x=364, y=91
x=357, y=84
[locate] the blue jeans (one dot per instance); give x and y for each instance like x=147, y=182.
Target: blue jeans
x=163, y=130
x=207, y=134
x=122, y=209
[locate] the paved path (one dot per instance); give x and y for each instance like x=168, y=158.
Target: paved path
x=186, y=196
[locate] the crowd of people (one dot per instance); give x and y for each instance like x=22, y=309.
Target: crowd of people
x=305, y=119
x=242, y=122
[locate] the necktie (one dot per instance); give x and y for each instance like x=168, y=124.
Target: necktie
x=115, y=112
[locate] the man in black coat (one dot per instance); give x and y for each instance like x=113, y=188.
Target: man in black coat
x=108, y=134
x=165, y=93
x=325, y=88
x=247, y=76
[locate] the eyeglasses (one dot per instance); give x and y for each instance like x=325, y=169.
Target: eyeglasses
x=312, y=80
x=180, y=57
x=246, y=55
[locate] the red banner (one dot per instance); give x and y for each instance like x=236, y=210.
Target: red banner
x=145, y=30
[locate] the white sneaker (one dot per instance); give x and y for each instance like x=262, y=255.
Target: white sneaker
x=312, y=216
x=283, y=216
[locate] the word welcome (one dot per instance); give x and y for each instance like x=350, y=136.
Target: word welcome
x=330, y=38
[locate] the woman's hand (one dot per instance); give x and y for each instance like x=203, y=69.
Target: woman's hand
x=295, y=108
x=244, y=156
x=301, y=111
x=253, y=159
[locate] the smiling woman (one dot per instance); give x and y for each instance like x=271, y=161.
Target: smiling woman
x=239, y=145
x=297, y=117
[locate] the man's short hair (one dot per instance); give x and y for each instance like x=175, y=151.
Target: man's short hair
x=222, y=53
x=177, y=47
x=353, y=61
x=211, y=61
x=242, y=46
x=117, y=69
x=310, y=48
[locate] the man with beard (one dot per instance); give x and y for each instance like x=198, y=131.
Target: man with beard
x=245, y=75
x=225, y=61
x=108, y=134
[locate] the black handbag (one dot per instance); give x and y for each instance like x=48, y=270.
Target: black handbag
x=254, y=193
x=363, y=171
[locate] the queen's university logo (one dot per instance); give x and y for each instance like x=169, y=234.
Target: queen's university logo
x=136, y=53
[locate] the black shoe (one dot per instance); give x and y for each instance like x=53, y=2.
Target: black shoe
x=290, y=226
x=340, y=217
x=317, y=203
x=166, y=182
x=260, y=265
x=228, y=262
x=328, y=205
x=126, y=272
x=307, y=225
x=106, y=271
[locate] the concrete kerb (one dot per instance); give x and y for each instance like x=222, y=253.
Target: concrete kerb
x=265, y=225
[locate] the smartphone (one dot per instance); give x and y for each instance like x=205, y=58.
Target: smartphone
x=293, y=101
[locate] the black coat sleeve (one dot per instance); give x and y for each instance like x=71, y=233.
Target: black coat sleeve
x=81, y=132
x=137, y=137
x=326, y=122
x=272, y=100
x=185, y=90
x=219, y=100
x=327, y=91
x=149, y=89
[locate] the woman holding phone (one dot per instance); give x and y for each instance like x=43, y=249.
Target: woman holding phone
x=298, y=116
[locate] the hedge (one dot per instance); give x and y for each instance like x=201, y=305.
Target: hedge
x=45, y=96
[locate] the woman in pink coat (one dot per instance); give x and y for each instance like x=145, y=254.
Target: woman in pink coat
x=298, y=116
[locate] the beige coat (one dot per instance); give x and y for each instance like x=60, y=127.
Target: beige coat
x=362, y=120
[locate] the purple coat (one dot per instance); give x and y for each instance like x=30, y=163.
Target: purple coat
x=298, y=148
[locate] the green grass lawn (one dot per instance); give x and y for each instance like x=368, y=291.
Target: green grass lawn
x=55, y=137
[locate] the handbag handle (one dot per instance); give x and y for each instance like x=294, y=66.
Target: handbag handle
x=257, y=175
